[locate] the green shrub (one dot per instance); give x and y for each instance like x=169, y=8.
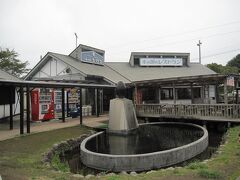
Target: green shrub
x=58, y=165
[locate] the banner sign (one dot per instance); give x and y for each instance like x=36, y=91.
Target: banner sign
x=161, y=61
x=230, y=81
x=92, y=57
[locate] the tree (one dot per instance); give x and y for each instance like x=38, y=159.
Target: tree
x=234, y=62
x=230, y=70
x=10, y=63
x=218, y=68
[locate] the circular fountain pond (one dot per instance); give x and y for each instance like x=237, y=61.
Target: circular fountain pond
x=151, y=146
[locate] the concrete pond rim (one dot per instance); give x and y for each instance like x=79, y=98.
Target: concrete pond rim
x=201, y=143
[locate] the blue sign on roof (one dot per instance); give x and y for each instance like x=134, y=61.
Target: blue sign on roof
x=92, y=57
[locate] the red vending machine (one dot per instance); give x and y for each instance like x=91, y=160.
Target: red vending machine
x=42, y=100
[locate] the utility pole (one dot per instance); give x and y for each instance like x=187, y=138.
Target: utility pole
x=199, y=49
x=76, y=39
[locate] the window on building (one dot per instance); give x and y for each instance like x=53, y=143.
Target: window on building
x=149, y=95
x=166, y=93
x=183, y=93
x=136, y=61
x=197, y=92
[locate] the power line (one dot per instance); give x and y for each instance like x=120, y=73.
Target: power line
x=183, y=41
x=177, y=34
x=217, y=54
x=194, y=39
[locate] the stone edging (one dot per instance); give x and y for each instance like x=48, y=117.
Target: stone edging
x=61, y=148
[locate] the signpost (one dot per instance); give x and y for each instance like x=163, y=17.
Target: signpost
x=230, y=81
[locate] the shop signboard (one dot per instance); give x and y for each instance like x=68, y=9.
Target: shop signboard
x=230, y=81
x=92, y=57
x=161, y=62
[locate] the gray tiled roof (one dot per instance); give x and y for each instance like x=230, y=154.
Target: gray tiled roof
x=122, y=71
x=6, y=76
x=91, y=69
x=138, y=73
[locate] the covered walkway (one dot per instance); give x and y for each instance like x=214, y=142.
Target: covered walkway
x=90, y=121
x=25, y=87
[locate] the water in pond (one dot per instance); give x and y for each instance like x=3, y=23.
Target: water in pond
x=146, y=139
x=151, y=139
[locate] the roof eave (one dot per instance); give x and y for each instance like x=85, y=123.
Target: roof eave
x=35, y=68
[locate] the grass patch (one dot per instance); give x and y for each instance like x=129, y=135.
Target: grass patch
x=228, y=161
x=23, y=156
x=205, y=173
x=197, y=165
x=114, y=177
x=103, y=126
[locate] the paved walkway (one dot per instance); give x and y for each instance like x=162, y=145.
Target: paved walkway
x=91, y=121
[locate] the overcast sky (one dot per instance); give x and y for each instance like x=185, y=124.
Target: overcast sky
x=34, y=27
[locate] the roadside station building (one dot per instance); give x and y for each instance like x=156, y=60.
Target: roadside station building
x=156, y=75
x=152, y=78
x=84, y=65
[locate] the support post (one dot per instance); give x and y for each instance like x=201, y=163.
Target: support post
x=233, y=95
x=28, y=110
x=199, y=50
x=21, y=110
x=203, y=93
x=136, y=95
x=174, y=93
x=63, y=105
x=228, y=124
x=94, y=102
x=11, y=109
x=225, y=91
x=216, y=93
x=237, y=98
x=192, y=94
x=205, y=124
x=159, y=96
x=97, y=102
x=67, y=103
x=80, y=106
x=101, y=101
x=115, y=94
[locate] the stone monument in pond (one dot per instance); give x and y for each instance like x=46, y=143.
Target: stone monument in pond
x=122, y=115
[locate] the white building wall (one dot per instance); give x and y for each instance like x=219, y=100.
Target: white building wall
x=5, y=109
x=212, y=94
x=54, y=67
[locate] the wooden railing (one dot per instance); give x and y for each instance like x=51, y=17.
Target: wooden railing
x=217, y=111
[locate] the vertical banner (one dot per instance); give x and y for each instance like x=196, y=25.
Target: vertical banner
x=230, y=81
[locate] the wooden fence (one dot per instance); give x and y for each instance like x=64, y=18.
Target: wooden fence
x=201, y=111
